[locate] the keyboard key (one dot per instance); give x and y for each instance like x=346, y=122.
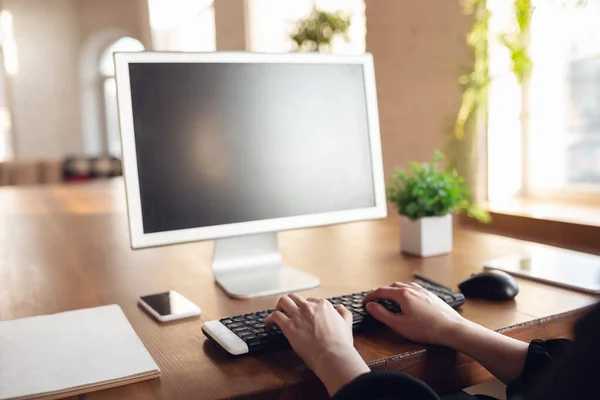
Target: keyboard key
x=245, y=334
x=391, y=306
x=238, y=318
x=275, y=331
x=236, y=325
x=459, y=297
x=251, y=317
x=226, y=321
x=251, y=340
x=446, y=297
x=240, y=330
x=262, y=314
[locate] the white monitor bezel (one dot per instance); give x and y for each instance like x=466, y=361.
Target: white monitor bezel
x=139, y=239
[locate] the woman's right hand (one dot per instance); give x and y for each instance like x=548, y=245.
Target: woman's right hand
x=425, y=317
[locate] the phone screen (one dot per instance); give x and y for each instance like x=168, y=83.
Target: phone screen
x=169, y=303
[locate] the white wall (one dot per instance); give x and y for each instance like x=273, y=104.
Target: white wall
x=45, y=93
x=101, y=23
x=419, y=48
x=54, y=38
x=230, y=25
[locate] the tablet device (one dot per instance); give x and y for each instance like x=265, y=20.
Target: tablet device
x=569, y=269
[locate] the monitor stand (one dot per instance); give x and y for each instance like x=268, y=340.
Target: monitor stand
x=251, y=266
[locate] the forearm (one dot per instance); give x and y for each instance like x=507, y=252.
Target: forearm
x=338, y=368
x=501, y=355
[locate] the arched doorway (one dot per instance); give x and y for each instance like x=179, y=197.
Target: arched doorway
x=109, y=91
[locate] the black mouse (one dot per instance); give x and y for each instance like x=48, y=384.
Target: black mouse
x=490, y=285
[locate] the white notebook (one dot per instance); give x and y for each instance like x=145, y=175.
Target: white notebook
x=74, y=352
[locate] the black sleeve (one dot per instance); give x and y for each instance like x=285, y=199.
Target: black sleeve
x=386, y=385
x=574, y=373
x=540, y=356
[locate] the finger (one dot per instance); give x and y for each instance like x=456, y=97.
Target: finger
x=382, y=314
x=287, y=305
x=347, y=315
x=299, y=300
x=383, y=293
x=400, y=284
x=416, y=286
x=278, y=318
x=319, y=301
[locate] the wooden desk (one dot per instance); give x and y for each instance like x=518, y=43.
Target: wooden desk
x=67, y=247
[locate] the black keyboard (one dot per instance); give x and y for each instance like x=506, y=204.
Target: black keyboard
x=255, y=337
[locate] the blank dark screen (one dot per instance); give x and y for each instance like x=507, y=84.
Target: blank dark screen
x=225, y=143
x=161, y=303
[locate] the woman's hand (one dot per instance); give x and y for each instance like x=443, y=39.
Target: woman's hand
x=322, y=336
x=425, y=317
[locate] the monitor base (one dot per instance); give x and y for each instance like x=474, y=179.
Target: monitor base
x=251, y=266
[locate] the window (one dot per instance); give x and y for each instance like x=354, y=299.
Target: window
x=270, y=23
x=183, y=25
x=109, y=86
x=544, y=137
x=8, y=67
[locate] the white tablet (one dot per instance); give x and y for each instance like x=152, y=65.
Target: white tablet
x=565, y=268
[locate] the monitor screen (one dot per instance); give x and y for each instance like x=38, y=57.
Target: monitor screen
x=222, y=143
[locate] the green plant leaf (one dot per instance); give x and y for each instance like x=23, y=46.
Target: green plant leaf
x=317, y=30
x=428, y=190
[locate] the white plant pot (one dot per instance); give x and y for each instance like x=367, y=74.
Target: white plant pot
x=429, y=236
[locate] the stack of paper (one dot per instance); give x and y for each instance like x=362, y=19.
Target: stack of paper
x=70, y=353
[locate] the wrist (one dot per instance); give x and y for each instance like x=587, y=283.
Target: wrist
x=336, y=367
x=457, y=333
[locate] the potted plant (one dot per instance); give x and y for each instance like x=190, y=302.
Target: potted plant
x=426, y=197
x=315, y=32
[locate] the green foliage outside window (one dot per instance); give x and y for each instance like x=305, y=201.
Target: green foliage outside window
x=316, y=32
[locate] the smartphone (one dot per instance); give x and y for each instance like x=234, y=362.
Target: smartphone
x=168, y=306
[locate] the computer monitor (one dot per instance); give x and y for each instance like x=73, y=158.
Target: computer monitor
x=238, y=146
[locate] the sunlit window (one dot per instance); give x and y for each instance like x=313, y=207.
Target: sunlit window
x=183, y=25
x=107, y=71
x=544, y=138
x=10, y=67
